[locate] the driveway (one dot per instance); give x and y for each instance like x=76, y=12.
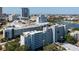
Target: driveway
x=70, y=47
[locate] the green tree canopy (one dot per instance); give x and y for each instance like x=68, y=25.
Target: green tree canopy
x=70, y=39
x=22, y=48
x=11, y=46
x=53, y=47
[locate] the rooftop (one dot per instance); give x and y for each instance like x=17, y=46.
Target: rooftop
x=31, y=32
x=26, y=23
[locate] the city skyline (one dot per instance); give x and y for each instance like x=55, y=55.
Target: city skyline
x=44, y=30
x=43, y=10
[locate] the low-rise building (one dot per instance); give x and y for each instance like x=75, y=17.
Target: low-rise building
x=8, y=33
x=75, y=34
x=41, y=19
x=12, y=17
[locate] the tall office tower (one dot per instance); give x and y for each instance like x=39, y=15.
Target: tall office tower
x=34, y=39
x=0, y=11
x=25, y=12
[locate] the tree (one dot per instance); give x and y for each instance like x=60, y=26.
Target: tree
x=53, y=47
x=75, y=29
x=70, y=39
x=45, y=43
x=15, y=46
x=22, y=48
x=11, y=46
x=0, y=47
x=17, y=39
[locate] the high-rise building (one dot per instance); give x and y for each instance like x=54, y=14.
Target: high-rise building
x=47, y=36
x=25, y=12
x=59, y=32
x=20, y=28
x=0, y=11
x=33, y=40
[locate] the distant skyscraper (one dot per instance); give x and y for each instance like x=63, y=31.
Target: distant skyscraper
x=25, y=12
x=0, y=10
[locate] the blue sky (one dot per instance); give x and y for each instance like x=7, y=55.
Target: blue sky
x=43, y=10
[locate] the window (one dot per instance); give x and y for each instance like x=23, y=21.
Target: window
x=57, y=31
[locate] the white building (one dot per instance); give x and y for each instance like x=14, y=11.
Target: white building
x=75, y=34
x=33, y=39
x=8, y=33
x=19, y=28
x=41, y=19
x=12, y=17
x=33, y=18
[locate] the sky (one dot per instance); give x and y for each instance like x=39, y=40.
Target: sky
x=43, y=10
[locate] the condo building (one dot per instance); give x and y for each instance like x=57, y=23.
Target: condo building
x=59, y=32
x=16, y=29
x=49, y=35
x=33, y=39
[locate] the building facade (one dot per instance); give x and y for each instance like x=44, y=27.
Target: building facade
x=12, y=17
x=25, y=12
x=59, y=32
x=47, y=36
x=8, y=33
x=34, y=39
x=41, y=19
x=19, y=30
x=75, y=34
x=0, y=11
